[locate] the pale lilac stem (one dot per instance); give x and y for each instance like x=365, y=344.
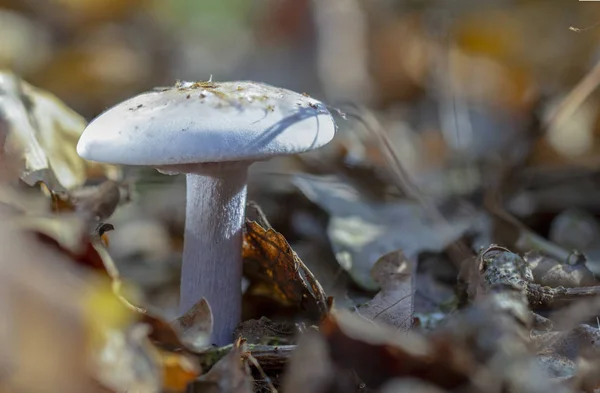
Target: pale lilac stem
x=212, y=254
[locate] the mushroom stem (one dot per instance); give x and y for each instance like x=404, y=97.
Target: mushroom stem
x=212, y=252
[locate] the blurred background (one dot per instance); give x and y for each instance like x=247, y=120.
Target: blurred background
x=443, y=101
x=461, y=123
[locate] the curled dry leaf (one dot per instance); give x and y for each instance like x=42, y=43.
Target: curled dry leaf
x=188, y=333
x=272, y=265
x=162, y=334
x=45, y=132
x=195, y=326
x=393, y=305
x=231, y=374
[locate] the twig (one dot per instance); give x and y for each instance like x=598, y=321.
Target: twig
x=502, y=268
x=526, y=239
x=405, y=183
x=575, y=98
x=540, y=296
x=270, y=357
x=262, y=373
x=261, y=216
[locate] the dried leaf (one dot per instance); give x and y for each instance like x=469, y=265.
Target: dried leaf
x=195, y=326
x=362, y=231
x=272, y=265
x=557, y=365
x=310, y=369
x=231, y=374
x=126, y=361
x=156, y=342
x=583, y=340
x=378, y=353
x=43, y=332
x=188, y=333
x=69, y=233
x=45, y=132
x=122, y=356
x=162, y=334
x=393, y=305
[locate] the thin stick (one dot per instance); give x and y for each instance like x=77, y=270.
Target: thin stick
x=545, y=296
x=262, y=373
x=576, y=97
x=270, y=357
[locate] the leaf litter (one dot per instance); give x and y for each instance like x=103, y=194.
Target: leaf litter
x=524, y=318
x=393, y=305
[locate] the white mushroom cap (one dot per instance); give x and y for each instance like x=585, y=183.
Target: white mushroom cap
x=207, y=122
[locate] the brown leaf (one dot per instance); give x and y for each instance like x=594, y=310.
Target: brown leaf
x=393, y=305
x=231, y=374
x=162, y=333
x=272, y=265
x=188, y=333
x=310, y=369
x=378, y=353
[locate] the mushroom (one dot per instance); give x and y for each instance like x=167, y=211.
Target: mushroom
x=212, y=132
